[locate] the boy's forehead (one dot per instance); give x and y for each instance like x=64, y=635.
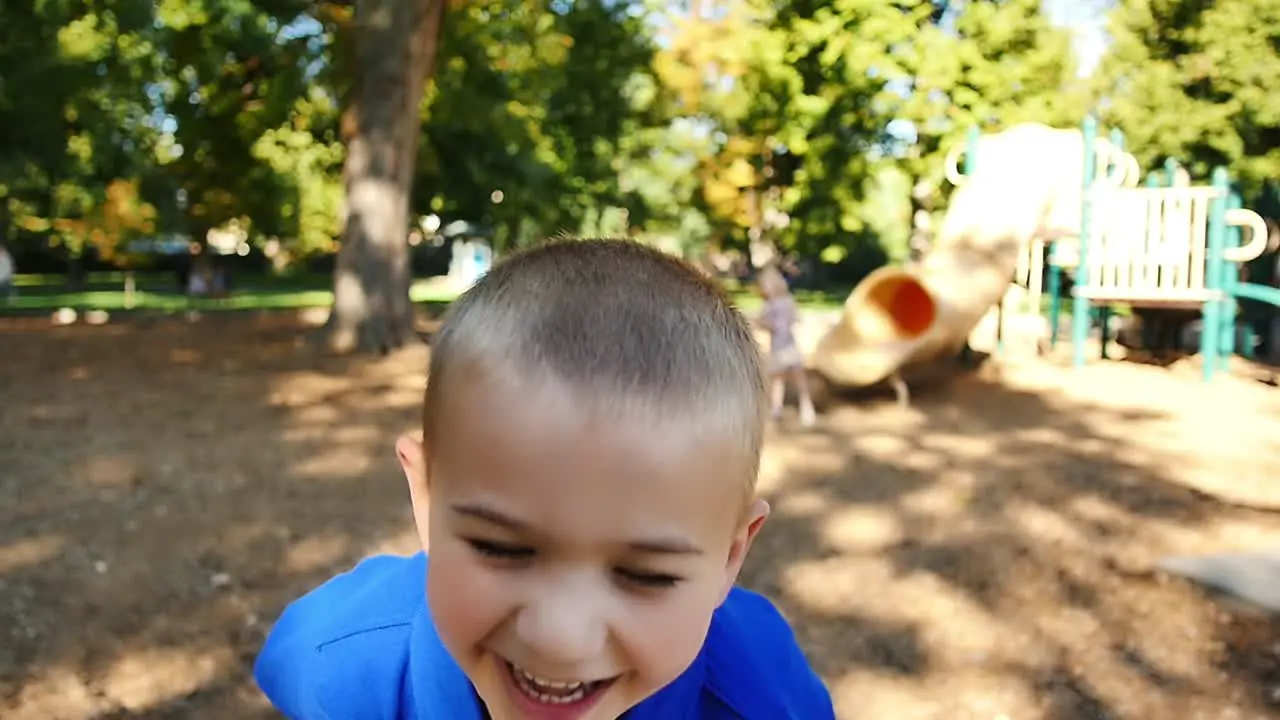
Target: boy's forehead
x=534, y=399
x=523, y=419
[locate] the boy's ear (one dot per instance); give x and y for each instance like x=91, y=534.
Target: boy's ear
x=412, y=456
x=750, y=526
x=413, y=461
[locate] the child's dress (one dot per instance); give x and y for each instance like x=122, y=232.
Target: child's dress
x=779, y=317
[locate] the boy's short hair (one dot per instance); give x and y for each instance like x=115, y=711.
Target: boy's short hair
x=633, y=327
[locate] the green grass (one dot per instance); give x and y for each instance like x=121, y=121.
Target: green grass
x=156, y=293
x=36, y=297
x=114, y=280
x=806, y=299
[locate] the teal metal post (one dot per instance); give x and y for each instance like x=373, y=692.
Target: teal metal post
x=970, y=164
x=1080, y=303
x=1231, y=278
x=1211, y=331
x=1055, y=295
x=971, y=149
x=1104, y=312
x=1149, y=337
x=1054, y=287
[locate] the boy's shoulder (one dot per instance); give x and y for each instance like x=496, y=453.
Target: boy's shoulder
x=350, y=634
x=363, y=645
x=756, y=668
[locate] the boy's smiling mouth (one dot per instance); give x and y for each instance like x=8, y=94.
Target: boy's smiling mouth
x=553, y=699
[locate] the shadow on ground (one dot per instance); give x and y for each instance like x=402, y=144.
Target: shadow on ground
x=168, y=489
x=169, y=486
x=988, y=551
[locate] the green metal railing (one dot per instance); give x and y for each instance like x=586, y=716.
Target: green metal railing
x=1222, y=281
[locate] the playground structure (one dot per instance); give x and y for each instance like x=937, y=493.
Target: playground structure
x=1032, y=195
x=470, y=259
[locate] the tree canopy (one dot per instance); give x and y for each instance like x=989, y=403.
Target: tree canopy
x=1189, y=80
x=706, y=122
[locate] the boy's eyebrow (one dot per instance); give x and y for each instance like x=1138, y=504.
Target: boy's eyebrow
x=670, y=545
x=488, y=514
x=666, y=546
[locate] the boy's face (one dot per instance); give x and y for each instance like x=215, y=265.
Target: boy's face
x=576, y=557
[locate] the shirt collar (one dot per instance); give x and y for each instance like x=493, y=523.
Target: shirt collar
x=679, y=700
x=439, y=684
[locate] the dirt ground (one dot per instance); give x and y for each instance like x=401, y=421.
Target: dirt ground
x=165, y=488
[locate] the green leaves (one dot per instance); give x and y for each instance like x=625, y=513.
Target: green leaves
x=810, y=94
x=72, y=113
x=1192, y=81
x=585, y=118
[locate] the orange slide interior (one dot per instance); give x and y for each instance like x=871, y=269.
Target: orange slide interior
x=904, y=304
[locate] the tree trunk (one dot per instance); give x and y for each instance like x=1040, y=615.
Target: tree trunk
x=396, y=42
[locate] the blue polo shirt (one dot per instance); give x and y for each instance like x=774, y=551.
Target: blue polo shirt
x=363, y=645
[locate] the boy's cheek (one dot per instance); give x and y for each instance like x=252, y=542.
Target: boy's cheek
x=462, y=595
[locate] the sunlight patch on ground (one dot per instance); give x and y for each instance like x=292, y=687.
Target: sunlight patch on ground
x=53, y=412
x=901, y=450
x=862, y=529
x=137, y=681
x=316, y=552
x=110, y=470
x=962, y=448
x=787, y=463
x=948, y=497
x=55, y=692
x=956, y=630
x=801, y=504
x=313, y=415
x=1045, y=524
x=243, y=537
x=29, y=552
x=404, y=542
x=393, y=398
x=339, y=463
x=184, y=356
x=360, y=435
x=836, y=585
x=1098, y=512
x=1240, y=535
x=883, y=444
x=958, y=694
x=1223, y=535
x=864, y=588
x=133, y=683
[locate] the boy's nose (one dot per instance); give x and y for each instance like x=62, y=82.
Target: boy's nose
x=564, y=628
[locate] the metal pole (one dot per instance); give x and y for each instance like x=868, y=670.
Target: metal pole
x=1211, y=329
x=1080, y=303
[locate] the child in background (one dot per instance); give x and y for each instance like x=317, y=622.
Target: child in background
x=585, y=481
x=6, y=274
x=785, y=361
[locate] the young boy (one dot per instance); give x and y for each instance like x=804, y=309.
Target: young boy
x=585, y=483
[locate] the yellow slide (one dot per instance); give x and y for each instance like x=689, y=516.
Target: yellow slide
x=1027, y=182
x=898, y=316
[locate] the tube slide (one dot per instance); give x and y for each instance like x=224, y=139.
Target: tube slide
x=1027, y=182
x=898, y=317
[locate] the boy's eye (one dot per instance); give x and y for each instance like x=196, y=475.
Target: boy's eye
x=500, y=551
x=648, y=580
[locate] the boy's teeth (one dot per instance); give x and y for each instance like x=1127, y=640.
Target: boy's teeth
x=551, y=684
x=550, y=691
